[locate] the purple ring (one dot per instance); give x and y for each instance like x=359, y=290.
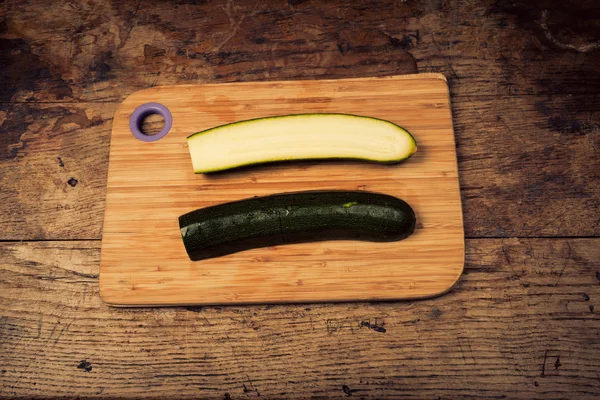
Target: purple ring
x=144, y=110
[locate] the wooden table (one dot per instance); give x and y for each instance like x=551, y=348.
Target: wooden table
x=521, y=323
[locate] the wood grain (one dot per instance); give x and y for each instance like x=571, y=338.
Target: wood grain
x=151, y=184
x=519, y=324
x=485, y=47
x=521, y=160
x=528, y=165
x=53, y=165
x=524, y=77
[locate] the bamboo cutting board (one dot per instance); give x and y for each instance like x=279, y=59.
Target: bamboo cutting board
x=143, y=261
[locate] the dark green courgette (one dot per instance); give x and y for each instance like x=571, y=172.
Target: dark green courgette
x=293, y=218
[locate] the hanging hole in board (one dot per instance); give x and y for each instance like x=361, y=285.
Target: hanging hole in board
x=150, y=122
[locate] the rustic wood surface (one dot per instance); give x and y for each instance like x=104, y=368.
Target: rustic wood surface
x=520, y=324
x=522, y=321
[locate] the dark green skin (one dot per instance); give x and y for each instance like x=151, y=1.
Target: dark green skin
x=295, y=218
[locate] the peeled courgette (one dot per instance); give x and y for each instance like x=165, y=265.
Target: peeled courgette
x=299, y=137
x=293, y=218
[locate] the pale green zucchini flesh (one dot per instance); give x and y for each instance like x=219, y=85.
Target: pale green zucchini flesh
x=299, y=137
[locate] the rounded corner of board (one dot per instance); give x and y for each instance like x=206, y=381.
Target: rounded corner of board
x=422, y=75
x=439, y=75
x=447, y=289
x=108, y=299
x=455, y=280
x=143, y=94
x=459, y=269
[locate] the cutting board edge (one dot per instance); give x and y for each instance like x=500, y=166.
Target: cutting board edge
x=145, y=91
x=120, y=302
x=112, y=298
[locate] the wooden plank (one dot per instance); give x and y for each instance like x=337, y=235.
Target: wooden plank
x=522, y=323
x=151, y=184
x=526, y=167
x=484, y=48
x=529, y=165
x=53, y=165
